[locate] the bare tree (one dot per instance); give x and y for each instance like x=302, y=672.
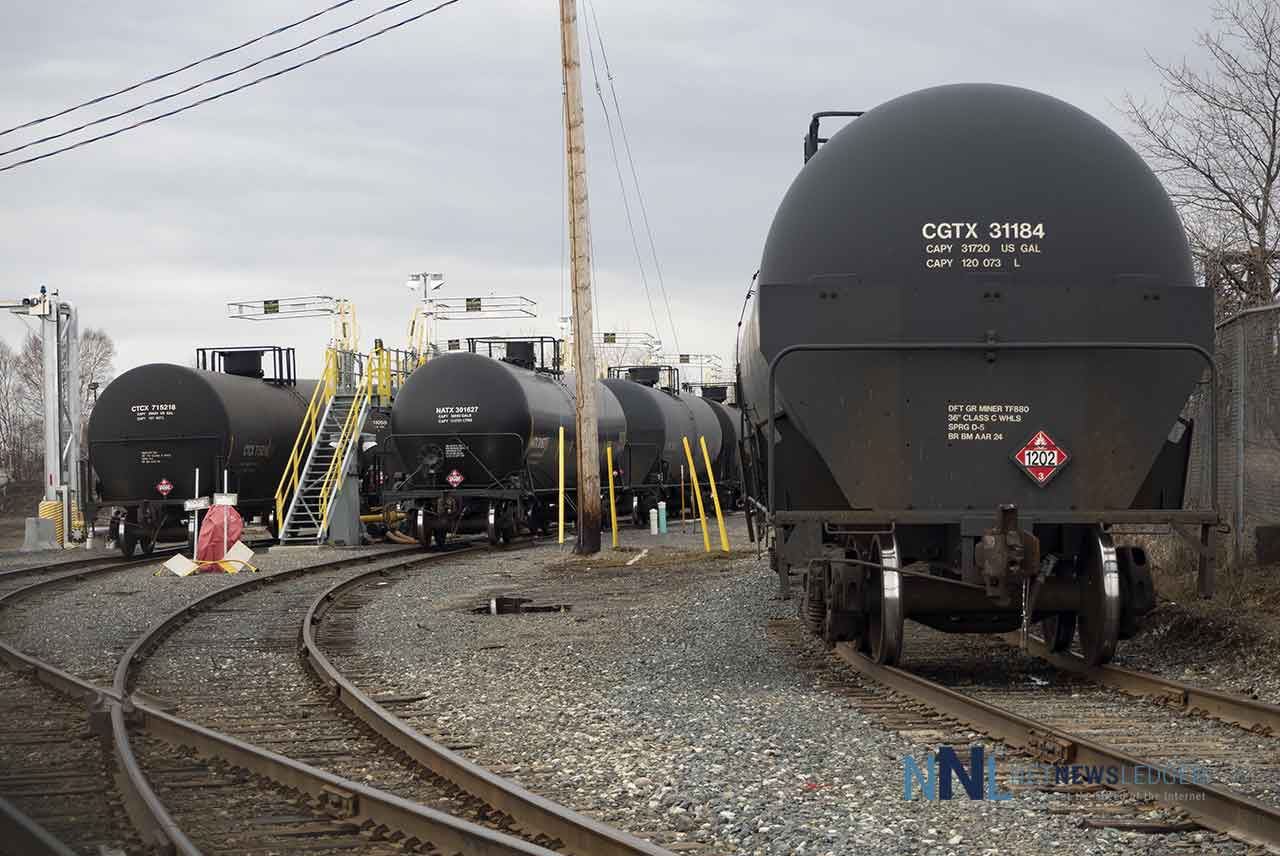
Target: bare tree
x=1215, y=140
x=14, y=421
x=97, y=366
x=29, y=366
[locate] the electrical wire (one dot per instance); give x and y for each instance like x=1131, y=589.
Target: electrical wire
x=644, y=213
x=277, y=31
x=233, y=90
x=622, y=186
x=154, y=101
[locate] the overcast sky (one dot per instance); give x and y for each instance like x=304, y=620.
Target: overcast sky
x=438, y=147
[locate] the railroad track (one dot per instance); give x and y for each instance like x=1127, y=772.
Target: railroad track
x=295, y=714
x=54, y=776
x=250, y=794
x=1223, y=775
x=32, y=600
x=328, y=620
x=55, y=771
x=12, y=579
x=1247, y=713
x=55, y=767
x=26, y=836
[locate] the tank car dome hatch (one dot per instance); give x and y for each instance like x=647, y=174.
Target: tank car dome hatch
x=1059, y=196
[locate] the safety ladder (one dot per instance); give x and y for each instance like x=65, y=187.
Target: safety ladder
x=327, y=440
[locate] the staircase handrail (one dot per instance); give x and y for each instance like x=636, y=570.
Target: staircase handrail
x=350, y=434
x=306, y=435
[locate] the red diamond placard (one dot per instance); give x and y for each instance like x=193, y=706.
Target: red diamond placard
x=1041, y=458
x=454, y=479
x=164, y=486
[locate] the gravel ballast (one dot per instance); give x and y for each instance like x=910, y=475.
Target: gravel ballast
x=85, y=625
x=659, y=703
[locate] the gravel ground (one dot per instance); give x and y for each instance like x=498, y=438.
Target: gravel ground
x=85, y=626
x=657, y=702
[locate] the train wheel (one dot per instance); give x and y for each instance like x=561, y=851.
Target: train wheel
x=128, y=540
x=148, y=544
x=1099, y=618
x=884, y=618
x=441, y=535
x=492, y=529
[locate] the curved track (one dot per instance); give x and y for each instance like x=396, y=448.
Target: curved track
x=249, y=794
x=61, y=772
x=156, y=774
x=12, y=579
x=577, y=833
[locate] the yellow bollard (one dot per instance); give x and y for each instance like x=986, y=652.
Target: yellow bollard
x=715, y=497
x=52, y=509
x=693, y=475
x=561, y=501
x=613, y=507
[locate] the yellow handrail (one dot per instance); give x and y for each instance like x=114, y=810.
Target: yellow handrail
x=350, y=431
x=306, y=435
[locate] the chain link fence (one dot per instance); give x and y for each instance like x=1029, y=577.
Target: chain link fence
x=1248, y=412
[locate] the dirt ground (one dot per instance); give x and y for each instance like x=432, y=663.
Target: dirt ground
x=1231, y=641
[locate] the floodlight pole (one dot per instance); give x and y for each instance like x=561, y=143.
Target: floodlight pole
x=60, y=372
x=588, y=447
x=60, y=347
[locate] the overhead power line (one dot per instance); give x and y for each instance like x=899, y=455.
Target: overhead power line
x=622, y=185
x=141, y=83
x=154, y=101
x=233, y=90
x=644, y=213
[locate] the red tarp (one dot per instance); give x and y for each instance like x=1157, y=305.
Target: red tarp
x=218, y=520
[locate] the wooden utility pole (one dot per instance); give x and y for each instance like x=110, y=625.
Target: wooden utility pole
x=588, y=445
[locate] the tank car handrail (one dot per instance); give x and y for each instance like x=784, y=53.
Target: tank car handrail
x=997, y=346
x=167, y=438
x=812, y=142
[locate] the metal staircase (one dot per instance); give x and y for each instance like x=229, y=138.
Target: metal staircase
x=322, y=453
x=352, y=383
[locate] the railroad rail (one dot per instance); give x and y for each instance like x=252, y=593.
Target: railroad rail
x=1211, y=806
x=26, y=836
x=125, y=716
x=1250, y=714
x=14, y=578
x=578, y=833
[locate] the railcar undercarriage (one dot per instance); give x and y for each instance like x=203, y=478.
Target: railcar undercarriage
x=1068, y=580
